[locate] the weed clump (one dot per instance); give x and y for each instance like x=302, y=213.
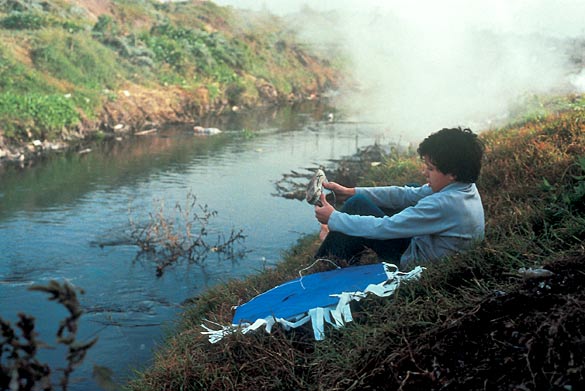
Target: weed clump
x=185, y=235
x=20, y=367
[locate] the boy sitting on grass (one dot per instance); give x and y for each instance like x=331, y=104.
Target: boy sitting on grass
x=411, y=225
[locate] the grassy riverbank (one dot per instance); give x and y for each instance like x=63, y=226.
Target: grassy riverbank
x=471, y=322
x=71, y=70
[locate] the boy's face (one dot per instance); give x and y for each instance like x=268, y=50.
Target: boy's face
x=435, y=178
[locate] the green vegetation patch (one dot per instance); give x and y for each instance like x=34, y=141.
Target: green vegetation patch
x=185, y=48
x=17, y=77
x=42, y=115
x=36, y=19
x=29, y=20
x=77, y=58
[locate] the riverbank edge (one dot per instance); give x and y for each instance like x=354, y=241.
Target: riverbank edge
x=140, y=66
x=137, y=111
x=531, y=223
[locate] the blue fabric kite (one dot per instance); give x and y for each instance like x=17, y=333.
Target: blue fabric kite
x=320, y=298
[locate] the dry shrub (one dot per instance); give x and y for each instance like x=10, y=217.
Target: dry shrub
x=20, y=366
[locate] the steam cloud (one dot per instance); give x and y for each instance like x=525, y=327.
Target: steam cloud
x=423, y=65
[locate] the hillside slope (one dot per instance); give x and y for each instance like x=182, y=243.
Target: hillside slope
x=69, y=69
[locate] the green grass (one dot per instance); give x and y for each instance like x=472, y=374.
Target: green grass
x=33, y=104
x=17, y=77
x=45, y=114
x=76, y=58
x=29, y=20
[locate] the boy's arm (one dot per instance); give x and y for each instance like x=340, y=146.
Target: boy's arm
x=423, y=219
x=395, y=197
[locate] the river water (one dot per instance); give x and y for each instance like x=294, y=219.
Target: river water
x=54, y=215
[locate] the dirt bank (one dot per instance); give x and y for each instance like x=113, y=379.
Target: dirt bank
x=133, y=110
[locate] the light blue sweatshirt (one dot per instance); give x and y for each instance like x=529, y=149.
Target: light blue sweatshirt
x=439, y=224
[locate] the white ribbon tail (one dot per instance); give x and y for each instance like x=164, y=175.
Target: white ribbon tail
x=337, y=315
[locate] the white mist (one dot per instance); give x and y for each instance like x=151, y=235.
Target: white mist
x=423, y=65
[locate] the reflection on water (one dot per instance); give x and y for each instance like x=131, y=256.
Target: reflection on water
x=53, y=214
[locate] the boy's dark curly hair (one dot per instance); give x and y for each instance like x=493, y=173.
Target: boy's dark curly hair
x=454, y=151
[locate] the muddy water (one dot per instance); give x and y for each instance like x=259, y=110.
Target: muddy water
x=55, y=215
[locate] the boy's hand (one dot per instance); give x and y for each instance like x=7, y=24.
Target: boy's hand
x=341, y=192
x=322, y=213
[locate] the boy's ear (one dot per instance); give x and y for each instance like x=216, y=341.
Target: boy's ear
x=453, y=177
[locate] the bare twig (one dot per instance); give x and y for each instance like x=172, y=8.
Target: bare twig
x=23, y=370
x=184, y=235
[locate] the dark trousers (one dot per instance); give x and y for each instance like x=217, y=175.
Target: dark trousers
x=349, y=248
